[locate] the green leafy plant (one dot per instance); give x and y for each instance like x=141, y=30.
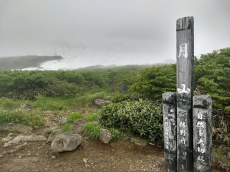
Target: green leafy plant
x=142, y=117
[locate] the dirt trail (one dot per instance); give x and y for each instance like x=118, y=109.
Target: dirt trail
x=91, y=156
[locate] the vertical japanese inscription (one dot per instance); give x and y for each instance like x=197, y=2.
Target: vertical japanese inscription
x=170, y=131
x=185, y=84
x=202, y=133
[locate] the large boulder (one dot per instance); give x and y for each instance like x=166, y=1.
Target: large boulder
x=30, y=138
x=66, y=142
x=101, y=102
x=105, y=136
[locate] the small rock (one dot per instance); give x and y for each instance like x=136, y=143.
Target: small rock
x=78, y=127
x=53, y=135
x=228, y=155
x=85, y=160
x=101, y=102
x=31, y=138
x=53, y=157
x=6, y=139
x=62, y=120
x=1, y=156
x=6, y=145
x=11, y=135
x=66, y=142
x=105, y=136
x=47, y=131
x=11, y=151
x=139, y=141
x=16, y=127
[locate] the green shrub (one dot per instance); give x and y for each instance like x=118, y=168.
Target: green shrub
x=61, y=88
x=130, y=96
x=152, y=82
x=142, y=117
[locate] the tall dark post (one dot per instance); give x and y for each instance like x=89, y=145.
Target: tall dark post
x=169, y=116
x=185, y=87
x=202, y=133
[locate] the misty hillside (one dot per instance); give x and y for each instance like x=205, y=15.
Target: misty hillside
x=21, y=62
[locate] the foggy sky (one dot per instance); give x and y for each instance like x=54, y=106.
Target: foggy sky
x=110, y=31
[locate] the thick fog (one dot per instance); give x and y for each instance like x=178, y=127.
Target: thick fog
x=107, y=32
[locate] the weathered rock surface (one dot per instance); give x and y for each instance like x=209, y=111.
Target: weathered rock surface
x=78, y=127
x=62, y=120
x=30, y=138
x=101, y=102
x=53, y=135
x=139, y=141
x=48, y=131
x=228, y=155
x=6, y=145
x=6, y=139
x=105, y=136
x=66, y=142
x=16, y=127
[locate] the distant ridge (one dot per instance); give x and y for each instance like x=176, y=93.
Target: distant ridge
x=21, y=62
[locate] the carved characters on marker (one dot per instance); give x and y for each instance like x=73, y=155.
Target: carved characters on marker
x=182, y=132
x=200, y=158
x=169, y=127
x=201, y=148
x=200, y=115
x=183, y=89
x=183, y=52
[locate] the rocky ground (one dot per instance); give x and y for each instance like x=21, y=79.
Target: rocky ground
x=27, y=150
x=91, y=155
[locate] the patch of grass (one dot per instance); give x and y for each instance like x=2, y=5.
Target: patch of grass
x=10, y=104
x=222, y=156
x=29, y=118
x=67, y=127
x=87, y=97
x=48, y=103
x=92, y=117
x=71, y=118
x=93, y=129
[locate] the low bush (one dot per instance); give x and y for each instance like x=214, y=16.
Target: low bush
x=143, y=117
